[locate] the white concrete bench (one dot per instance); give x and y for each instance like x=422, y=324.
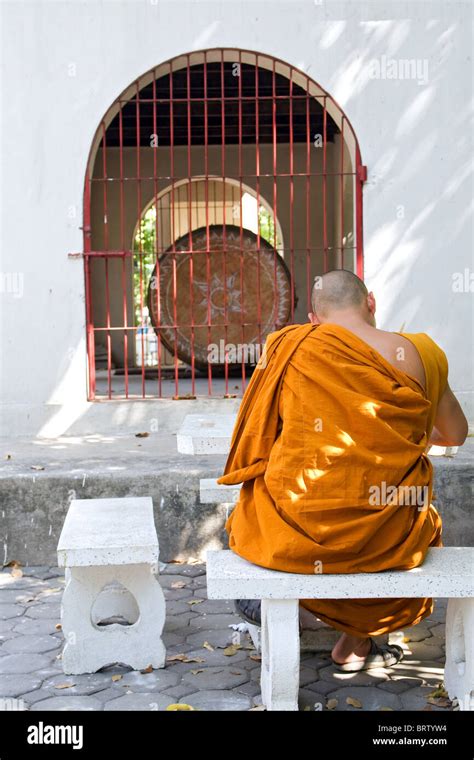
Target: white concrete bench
x=109, y=548
x=205, y=434
x=446, y=573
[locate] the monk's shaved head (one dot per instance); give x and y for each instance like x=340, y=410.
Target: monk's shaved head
x=338, y=290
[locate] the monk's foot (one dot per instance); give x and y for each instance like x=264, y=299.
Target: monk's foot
x=309, y=621
x=350, y=649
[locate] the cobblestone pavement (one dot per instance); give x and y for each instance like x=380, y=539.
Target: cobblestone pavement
x=201, y=670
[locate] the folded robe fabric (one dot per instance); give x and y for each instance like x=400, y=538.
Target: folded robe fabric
x=329, y=445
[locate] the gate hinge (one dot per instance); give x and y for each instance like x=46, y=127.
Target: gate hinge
x=75, y=255
x=362, y=173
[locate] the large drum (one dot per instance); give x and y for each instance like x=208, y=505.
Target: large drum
x=220, y=302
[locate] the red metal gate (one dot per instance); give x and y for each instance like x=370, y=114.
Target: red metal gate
x=219, y=184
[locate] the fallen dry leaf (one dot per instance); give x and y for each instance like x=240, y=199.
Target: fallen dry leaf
x=16, y=573
x=256, y=657
x=180, y=706
x=64, y=685
x=386, y=709
x=208, y=646
x=440, y=691
x=117, y=677
x=195, y=672
x=8, y=456
x=331, y=704
x=36, y=467
x=184, y=658
x=439, y=701
x=236, y=672
x=142, y=435
x=257, y=708
x=148, y=669
x=195, y=601
x=231, y=650
x=353, y=702
x=58, y=627
x=178, y=584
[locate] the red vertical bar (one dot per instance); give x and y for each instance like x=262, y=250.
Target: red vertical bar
x=140, y=244
x=190, y=224
x=308, y=197
x=106, y=262
x=242, y=302
x=88, y=290
x=292, y=194
x=325, y=221
x=257, y=187
x=274, y=139
x=157, y=258
x=341, y=192
x=122, y=245
x=359, y=181
x=224, y=236
x=206, y=202
x=173, y=240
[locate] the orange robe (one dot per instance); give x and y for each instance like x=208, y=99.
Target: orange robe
x=325, y=422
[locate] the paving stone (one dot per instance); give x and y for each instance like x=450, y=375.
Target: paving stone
x=191, y=571
x=421, y=650
x=158, y=680
x=417, y=633
x=320, y=687
x=106, y=695
x=27, y=626
x=210, y=622
x=251, y=688
x=38, y=695
x=175, y=639
x=168, y=581
x=63, y=704
x=177, y=607
x=217, y=638
x=81, y=685
x=179, y=622
x=37, y=644
x=44, y=612
x=439, y=630
x=308, y=698
x=371, y=698
x=426, y=672
x=398, y=687
x=7, y=625
x=415, y=699
x=17, y=596
x=7, y=636
x=200, y=581
x=8, y=611
x=217, y=657
x=23, y=663
x=182, y=690
x=174, y=594
x=216, y=677
x=214, y=607
x=316, y=661
x=16, y=685
x=219, y=699
x=363, y=678
x=153, y=701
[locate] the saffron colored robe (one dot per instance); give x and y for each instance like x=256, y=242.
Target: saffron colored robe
x=327, y=425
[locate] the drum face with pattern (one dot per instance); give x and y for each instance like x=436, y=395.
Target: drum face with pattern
x=226, y=293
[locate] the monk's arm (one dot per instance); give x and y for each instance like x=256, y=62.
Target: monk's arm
x=450, y=425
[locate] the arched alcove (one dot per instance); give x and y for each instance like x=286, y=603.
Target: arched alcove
x=189, y=143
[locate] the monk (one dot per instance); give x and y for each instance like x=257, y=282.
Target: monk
x=330, y=447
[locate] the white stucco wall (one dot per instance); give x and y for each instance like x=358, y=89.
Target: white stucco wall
x=414, y=137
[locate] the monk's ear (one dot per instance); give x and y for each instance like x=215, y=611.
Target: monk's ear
x=313, y=319
x=371, y=305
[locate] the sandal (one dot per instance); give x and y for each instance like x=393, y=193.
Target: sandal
x=249, y=610
x=380, y=656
